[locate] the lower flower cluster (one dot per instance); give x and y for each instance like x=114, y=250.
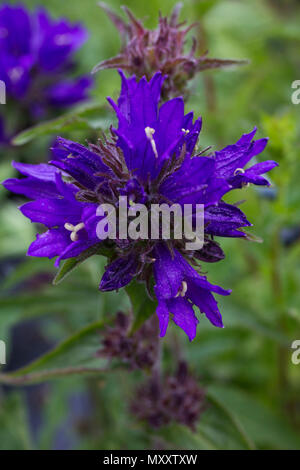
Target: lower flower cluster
x=174, y=398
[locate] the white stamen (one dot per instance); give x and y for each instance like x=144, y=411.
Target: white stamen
x=186, y=131
x=74, y=229
x=69, y=227
x=74, y=236
x=149, y=131
x=239, y=171
x=183, y=290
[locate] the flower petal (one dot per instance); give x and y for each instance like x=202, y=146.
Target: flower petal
x=163, y=314
x=184, y=316
x=49, y=244
x=118, y=274
x=224, y=219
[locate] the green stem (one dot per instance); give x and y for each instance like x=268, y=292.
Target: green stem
x=37, y=377
x=59, y=349
x=277, y=291
x=41, y=370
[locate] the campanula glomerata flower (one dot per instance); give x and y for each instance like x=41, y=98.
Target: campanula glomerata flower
x=36, y=65
x=151, y=157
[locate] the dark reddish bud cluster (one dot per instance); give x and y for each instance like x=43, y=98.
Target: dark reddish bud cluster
x=176, y=398
x=144, y=51
x=139, y=350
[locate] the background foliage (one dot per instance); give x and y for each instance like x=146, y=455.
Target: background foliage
x=252, y=386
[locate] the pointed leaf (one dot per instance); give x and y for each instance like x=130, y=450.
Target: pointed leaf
x=70, y=264
x=143, y=307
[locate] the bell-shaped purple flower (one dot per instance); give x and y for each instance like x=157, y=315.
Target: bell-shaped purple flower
x=150, y=158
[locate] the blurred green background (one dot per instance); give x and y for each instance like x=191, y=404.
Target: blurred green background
x=253, y=388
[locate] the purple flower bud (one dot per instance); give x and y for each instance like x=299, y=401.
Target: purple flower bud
x=138, y=351
x=145, y=52
x=176, y=398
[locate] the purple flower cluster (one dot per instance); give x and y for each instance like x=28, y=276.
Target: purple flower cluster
x=157, y=167
x=174, y=398
x=139, y=350
x=36, y=59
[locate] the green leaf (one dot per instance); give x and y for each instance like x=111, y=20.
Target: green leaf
x=255, y=422
x=70, y=264
x=86, y=117
x=14, y=429
x=143, y=307
x=75, y=355
x=233, y=417
x=67, y=267
x=183, y=437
